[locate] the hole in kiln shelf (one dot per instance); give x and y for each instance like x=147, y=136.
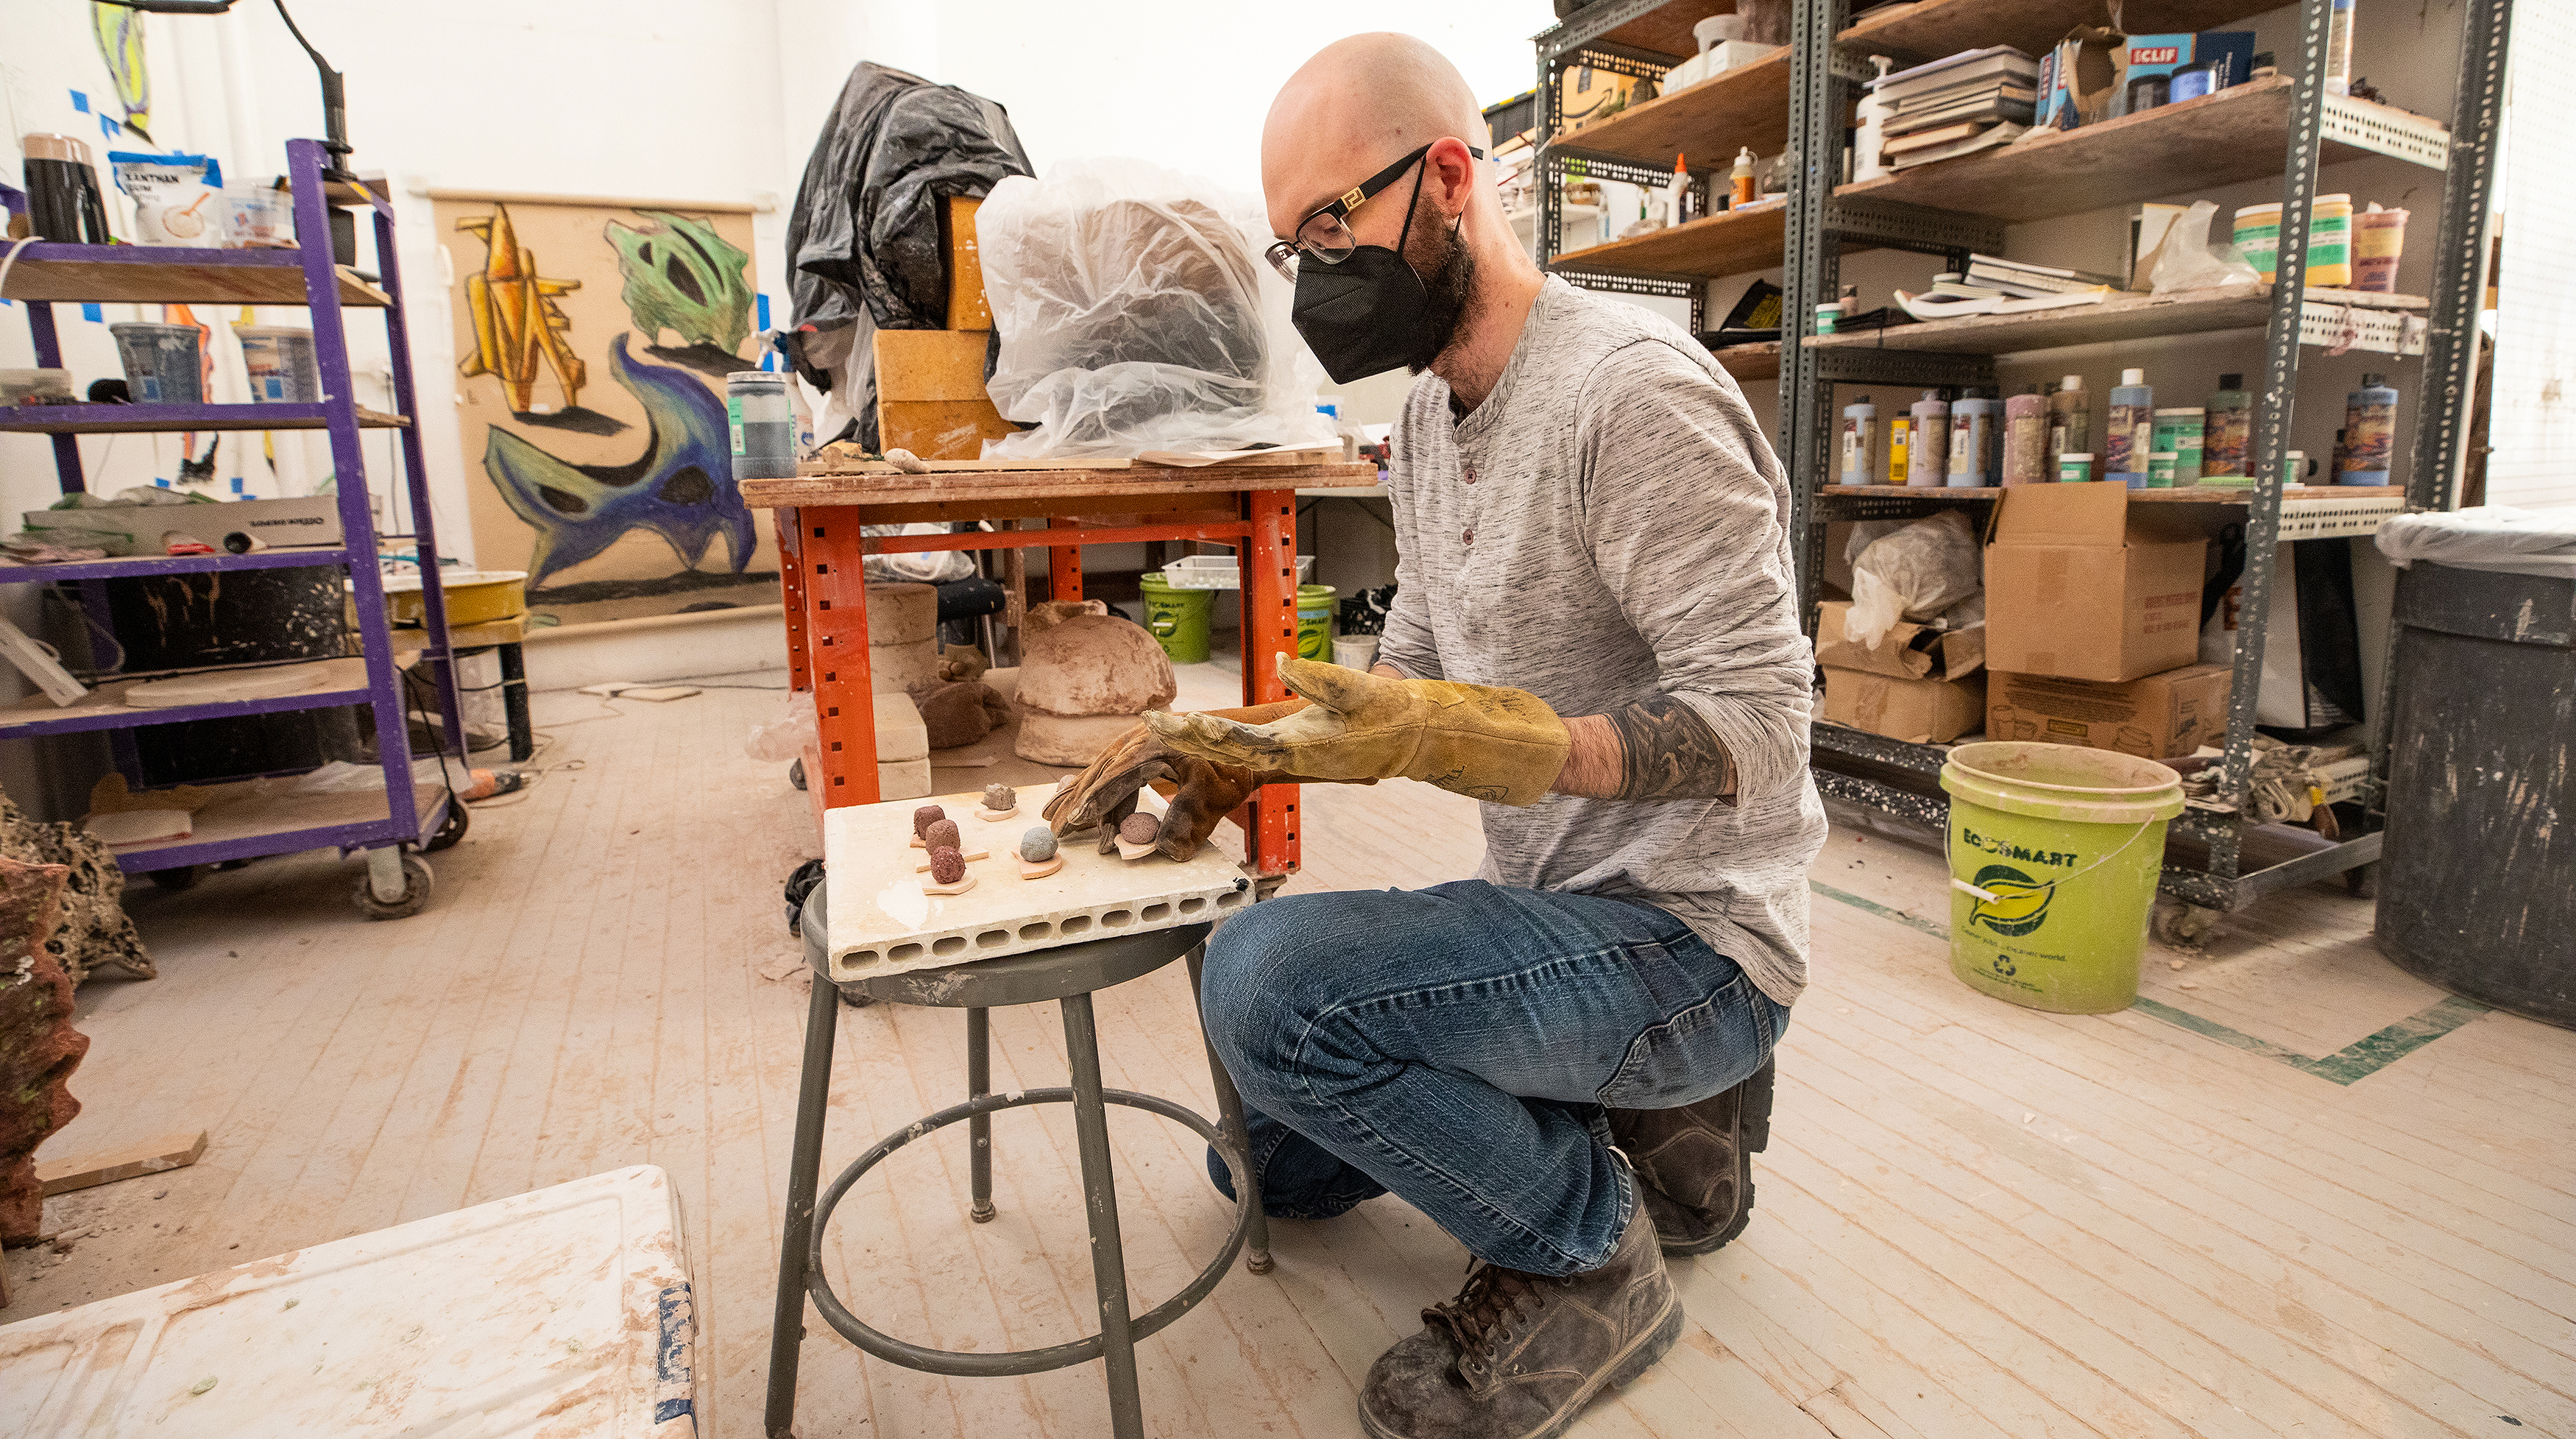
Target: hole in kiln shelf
x=993, y=938
x=1154, y=912
x=1192, y=906
x=951, y=944
x=1118, y=918
x=902, y=952
x=1039, y=930
x=1229, y=899
x=1077, y=924
x=861, y=958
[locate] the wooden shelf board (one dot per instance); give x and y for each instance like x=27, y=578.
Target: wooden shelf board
x=116, y=282
x=1706, y=122
x=1666, y=29
x=1934, y=28
x=1727, y=243
x=239, y=812
x=2237, y=134
x=2188, y=494
x=1080, y=488
x=2122, y=317
x=1751, y=362
x=102, y=420
x=346, y=685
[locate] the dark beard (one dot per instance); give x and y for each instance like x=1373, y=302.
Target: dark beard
x=1450, y=282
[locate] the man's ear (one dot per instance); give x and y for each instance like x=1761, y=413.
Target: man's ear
x=1453, y=175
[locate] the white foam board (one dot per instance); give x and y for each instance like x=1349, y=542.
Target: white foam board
x=567, y=1311
x=882, y=922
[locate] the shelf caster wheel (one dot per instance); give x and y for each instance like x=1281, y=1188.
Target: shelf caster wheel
x=451, y=828
x=415, y=878
x=796, y=773
x=2184, y=925
x=2363, y=880
x=174, y=879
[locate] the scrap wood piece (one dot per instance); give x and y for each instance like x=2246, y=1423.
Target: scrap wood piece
x=39, y=1049
x=175, y=1150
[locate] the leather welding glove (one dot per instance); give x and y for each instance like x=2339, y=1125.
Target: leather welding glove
x=1501, y=745
x=1203, y=793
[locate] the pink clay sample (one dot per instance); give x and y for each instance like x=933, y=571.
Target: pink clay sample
x=1141, y=828
x=924, y=817
x=947, y=866
x=941, y=834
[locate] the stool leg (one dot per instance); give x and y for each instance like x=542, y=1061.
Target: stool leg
x=804, y=1172
x=1229, y=1113
x=514, y=704
x=1100, y=1196
x=979, y=1130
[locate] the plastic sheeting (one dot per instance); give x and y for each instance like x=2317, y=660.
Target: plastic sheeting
x=1136, y=314
x=2488, y=537
x=863, y=244
x=1917, y=571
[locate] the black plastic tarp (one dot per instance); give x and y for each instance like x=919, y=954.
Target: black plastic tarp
x=863, y=244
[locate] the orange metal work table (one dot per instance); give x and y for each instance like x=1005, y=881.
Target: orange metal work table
x=1061, y=506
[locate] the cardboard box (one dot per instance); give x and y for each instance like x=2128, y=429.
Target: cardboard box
x=2158, y=717
x=2082, y=584
x=2077, y=79
x=2228, y=53
x=1908, y=652
x=1922, y=711
x=313, y=520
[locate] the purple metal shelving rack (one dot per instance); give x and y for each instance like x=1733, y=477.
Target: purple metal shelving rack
x=48, y=274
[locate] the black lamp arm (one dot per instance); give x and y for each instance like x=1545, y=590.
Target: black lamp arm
x=335, y=103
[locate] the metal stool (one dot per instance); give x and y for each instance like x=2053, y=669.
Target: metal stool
x=1069, y=973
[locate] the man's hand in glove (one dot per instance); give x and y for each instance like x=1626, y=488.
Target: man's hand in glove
x=1502, y=745
x=1105, y=794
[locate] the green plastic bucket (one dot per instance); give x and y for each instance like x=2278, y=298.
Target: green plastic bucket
x=2054, y=853
x=1315, y=622
x=1177, y=618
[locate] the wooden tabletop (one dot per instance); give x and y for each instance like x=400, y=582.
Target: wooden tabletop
x=879, y=483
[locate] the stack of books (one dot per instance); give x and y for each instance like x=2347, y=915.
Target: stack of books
x=1969, y=102
x=2023, y=280
x=2005, y=287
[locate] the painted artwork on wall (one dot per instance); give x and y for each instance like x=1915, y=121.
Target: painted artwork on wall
x=592, y=342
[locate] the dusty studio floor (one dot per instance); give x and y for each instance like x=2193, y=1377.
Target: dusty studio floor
x=2294, y=1192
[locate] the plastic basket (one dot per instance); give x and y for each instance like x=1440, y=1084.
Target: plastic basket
x=1218, y=572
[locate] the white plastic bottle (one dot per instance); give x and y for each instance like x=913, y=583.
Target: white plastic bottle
x=1860, y=442
x=1869, y=146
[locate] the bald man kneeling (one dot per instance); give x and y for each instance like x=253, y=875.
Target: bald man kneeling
x=1565, y=1062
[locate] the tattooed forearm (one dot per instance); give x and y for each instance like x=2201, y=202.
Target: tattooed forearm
x=1654, y=749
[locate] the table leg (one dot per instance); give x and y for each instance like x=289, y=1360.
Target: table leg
x=804, y=1173
x=1269, y=632
x=1100, y=1205
x=1064, y=566
x=836, y=631
x=514, y=704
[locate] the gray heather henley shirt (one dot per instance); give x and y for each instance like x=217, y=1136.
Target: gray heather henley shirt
x=1607, y=526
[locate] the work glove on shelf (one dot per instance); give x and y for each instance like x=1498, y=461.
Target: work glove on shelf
x=1203, y=792
x=1502, y=745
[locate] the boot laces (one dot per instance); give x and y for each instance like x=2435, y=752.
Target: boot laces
x=1481, y=1315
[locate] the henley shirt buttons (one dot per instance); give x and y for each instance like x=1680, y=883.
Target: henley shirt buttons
x=1468, y=538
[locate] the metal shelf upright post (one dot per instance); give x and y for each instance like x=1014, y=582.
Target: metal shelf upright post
x=241, y=823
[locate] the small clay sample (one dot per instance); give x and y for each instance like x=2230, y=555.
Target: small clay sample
x=999, y=797
x=940, y=834
x=947, y=866
x=969, y=855
x=1038, y=845
x=924, y=817
x=1141, y=828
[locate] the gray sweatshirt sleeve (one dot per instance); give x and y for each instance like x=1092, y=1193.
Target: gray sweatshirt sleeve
x=1685, y=509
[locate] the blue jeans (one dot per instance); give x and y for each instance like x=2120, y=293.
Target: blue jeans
x=1457, y=1045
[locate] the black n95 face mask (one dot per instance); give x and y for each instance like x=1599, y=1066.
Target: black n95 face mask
x=1371, y=312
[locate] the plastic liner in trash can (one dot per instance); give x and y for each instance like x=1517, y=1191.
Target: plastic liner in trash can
x=2474, y=890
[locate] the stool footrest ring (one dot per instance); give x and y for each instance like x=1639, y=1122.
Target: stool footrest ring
x=1016, y=1361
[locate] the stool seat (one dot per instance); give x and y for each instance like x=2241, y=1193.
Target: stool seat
x=1030, y=978
x=1069, y=974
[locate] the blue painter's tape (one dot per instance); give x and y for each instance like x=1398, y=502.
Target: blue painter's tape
x=94, y=314
x=80, y=101
x=674, y=1390
x=109, y=127
x=764, y=310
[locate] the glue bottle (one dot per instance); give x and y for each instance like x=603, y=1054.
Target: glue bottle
x=1677, y=194
x=1860, y=442
x=1972, y=442
x=2130, y=438
x=1927, y=453
x=1739, y=181
x=1869, y=147
x=2070, y=421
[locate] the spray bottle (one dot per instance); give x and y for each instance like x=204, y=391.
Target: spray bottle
x=1741, y=189
x=1927, y=454
x=1860, y=442
x=1869, y=147
x=2369, y=432
x=2228, y=433
x=1972, y=441
x=2070, y=421
x=2026, y=438
x=2129, y=439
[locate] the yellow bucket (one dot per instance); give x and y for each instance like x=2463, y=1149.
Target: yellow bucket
x=473, y=597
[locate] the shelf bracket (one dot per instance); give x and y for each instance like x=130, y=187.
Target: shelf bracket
x=1912, y=369
x=1894, y=225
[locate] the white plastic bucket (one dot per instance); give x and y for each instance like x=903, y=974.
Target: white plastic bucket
x=280, y=361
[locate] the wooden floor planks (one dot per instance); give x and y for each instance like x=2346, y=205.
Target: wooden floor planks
x=1974, y=1220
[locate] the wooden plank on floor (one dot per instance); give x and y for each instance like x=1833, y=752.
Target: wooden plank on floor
x=159, y=1154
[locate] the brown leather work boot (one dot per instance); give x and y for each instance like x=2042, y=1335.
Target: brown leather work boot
x=1695, y=1164
x=1517, y=1356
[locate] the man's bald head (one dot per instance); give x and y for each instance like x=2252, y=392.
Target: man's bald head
x=1355, y=108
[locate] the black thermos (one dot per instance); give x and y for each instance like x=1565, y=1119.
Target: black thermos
x=63, y=203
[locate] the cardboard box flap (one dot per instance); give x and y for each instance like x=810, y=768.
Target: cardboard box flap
x=1905, y=652
x=2090, y=515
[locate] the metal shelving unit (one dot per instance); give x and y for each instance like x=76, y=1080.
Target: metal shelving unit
x=244, y=822
x=2220, y=138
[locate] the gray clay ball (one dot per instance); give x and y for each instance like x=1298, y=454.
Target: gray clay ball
x=999, y=797
x=924, y=817
x=942, y=834
x=1141, y=828
x=947, y=866
x=1038, y=845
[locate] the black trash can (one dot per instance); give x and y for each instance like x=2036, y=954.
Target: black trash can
x=2477, y=884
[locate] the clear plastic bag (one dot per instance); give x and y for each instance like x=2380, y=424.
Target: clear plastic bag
x=1136, y=314
x=1915, y=572
x=2189, y=260
x=784, y=735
